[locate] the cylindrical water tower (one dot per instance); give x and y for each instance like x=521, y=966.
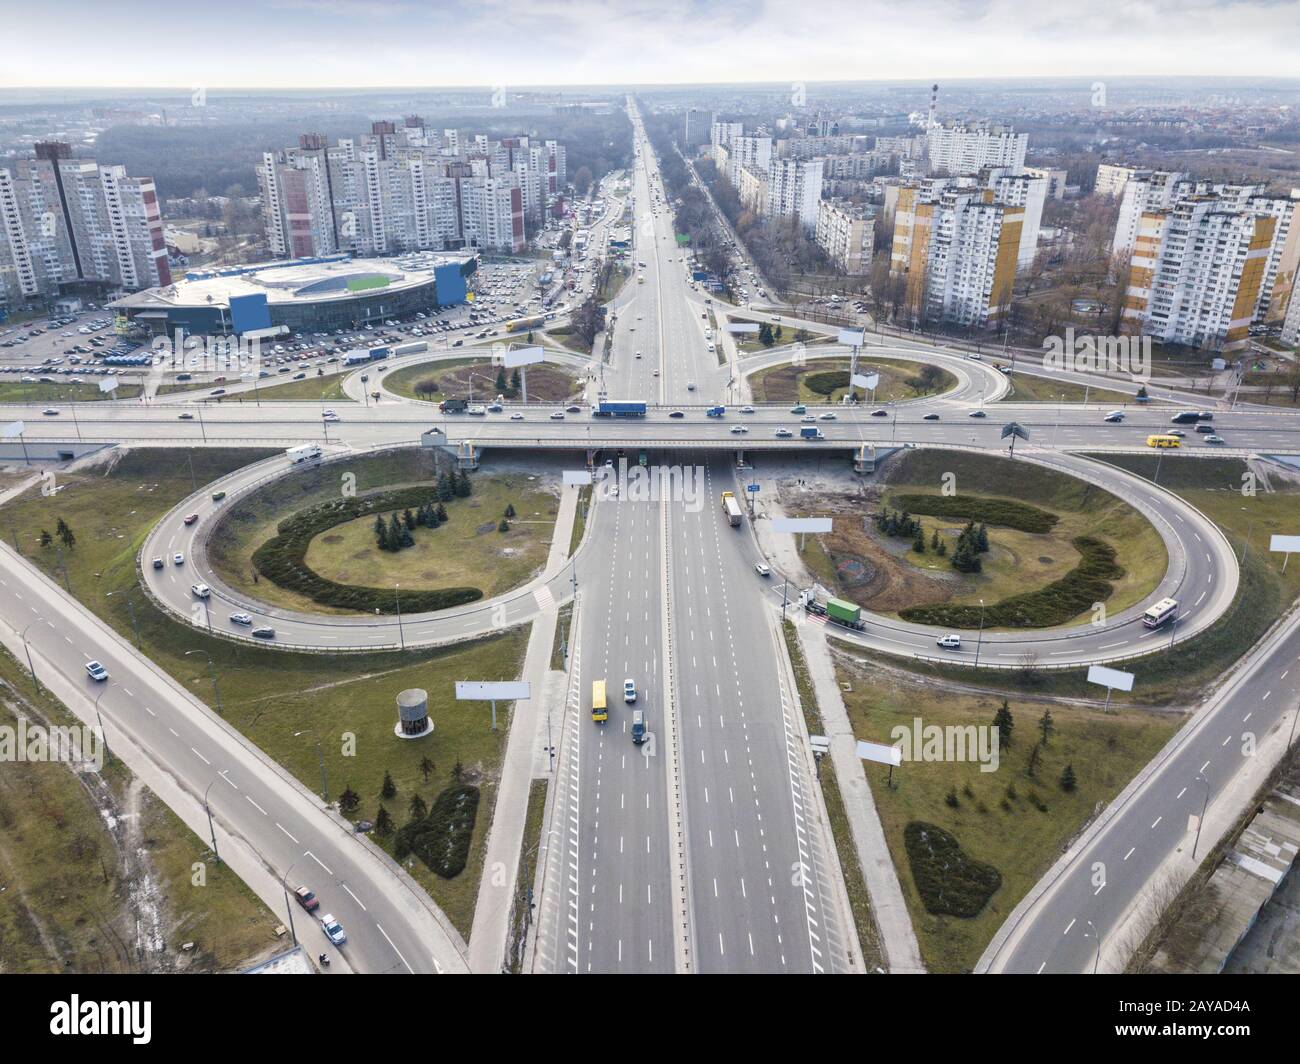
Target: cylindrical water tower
x=413, y=714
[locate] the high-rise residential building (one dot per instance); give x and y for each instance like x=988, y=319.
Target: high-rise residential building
x=751, y=187
x=1275, y=293
x=846, y=232
x=405, y=189
x=698, y=128
x=794, y=188
x=70, y=223
x=1111, y=179
x=1291, y=325
x=955, y=248
x=1056, y=179
x=1196, y=272
x=1028, y=192
x=965, y=149
x=721, y=133
x=1144, y=191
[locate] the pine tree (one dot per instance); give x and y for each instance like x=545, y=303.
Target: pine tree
x=426, y=767
x=389, y=788
x=1068, y=781
x=383, y=823
x=501, y=379
x=349, y=801
x=504, y=526
x=408, y=519
x=510, y=509
x=1031, y=769
x=918, y=544
x=1005, y=724
x=442, y=513
x=46, y=539
x=982, y=539
x=1046, y=726
x=934, y=541
x=515, y=384
x=417, y=808
x=395, y=533
x=457, y=770
x=445, y=489
x=463, y=487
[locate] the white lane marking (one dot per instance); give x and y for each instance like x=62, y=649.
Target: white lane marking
x=255, y=805
x=395, y=949
x=318, y=861
x=282, y=828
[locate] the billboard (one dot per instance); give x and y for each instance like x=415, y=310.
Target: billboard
x=885, y=755
x=523, y=356
x=477, y=691
x=851, y=337
x=249, y=313
x=1112, y=678
x=742, y=327
x=801, y=524
x=576, y=476
x=868, y=381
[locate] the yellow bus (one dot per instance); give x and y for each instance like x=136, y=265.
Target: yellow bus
x=1164, y=441
x=598, y=711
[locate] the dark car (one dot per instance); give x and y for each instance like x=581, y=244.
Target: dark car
x=977, y=413
x=880, y=413
x=191, y=519
x=306, y=897
x=930, y=417
x=264, y=633
x=677, y=413
x=1205, y=428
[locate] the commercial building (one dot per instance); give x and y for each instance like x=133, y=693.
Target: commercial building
x=965, y=149
x=846, y=232
x=312, y=295
x=71, y=226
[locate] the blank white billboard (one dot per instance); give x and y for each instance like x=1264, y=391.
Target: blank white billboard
x=576, y=476
x=14, y=428
x=801, y=524
x=868, y=381
x=1116, y=679
x=108, y=384
x=886, y=755
x=1285, y=544
x=743, y=327
x=479, y=691
x=851, y=337
x=523, y=356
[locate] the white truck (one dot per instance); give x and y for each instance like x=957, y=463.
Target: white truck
x=307, y=452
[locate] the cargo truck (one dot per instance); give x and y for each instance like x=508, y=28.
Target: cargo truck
x=454, y=406
x=307, y=452
x=837, y=611
x=618, y=408
x=716, y=411
x=731, y=508
x=811, y=432
x=414, y=347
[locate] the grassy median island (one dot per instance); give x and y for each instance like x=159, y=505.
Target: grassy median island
x=825, y=380
x=1056, y=544
x=61, y=392
x=970, y=842
x=75, y=850
x=476, y=378
x=324, y=389
x=284, y=701
x=340, y=553
x=1026, y=388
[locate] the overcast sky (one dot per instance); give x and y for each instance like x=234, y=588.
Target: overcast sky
x=375, y=43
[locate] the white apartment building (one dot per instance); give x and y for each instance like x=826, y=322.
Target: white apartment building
x=1056, y=180
x=1144, y=192
x=846, y=232
x=1111, y=179
x=968, y=149
x=1028, y=192
x=751, y=187
x=794, y=188
x=1196, y=273
x=1291, y=326
x=66, y=222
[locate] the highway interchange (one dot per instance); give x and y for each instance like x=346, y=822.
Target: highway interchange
x=698, y=851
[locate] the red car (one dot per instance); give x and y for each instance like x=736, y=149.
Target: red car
x=191, y=519
x=307, y=898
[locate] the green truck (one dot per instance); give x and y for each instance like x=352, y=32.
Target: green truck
x=838, y=611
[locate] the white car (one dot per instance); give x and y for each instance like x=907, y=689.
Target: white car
x=178, y=558
x=783, y=434
x=558, y=415
x=516, y=416
x=762, y=569
x=828, y=416
x=332, y=928
x=739, y=428
x=330, y=415
x=629, y=690
x=96, y=671
x=241, y=618
x=949, y=642
x=201, y=591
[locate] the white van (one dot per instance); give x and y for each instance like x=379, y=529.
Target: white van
x=949, y=642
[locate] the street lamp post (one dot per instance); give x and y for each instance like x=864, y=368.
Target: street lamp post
x=212, y=831
x=35, y=682
x=130, y=605
x=980, y=639
x=1201, y=819
x=1097, y=958
x=212, y=672
x=397, y=597
x=288, y=906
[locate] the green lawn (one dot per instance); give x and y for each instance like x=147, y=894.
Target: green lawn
x=467, y=551
x=1028, y=389
x=454, y=377
x=282, y=701
x=996, y=819
x=68, y=878
x=317, y=389
x=60, y=392
x=788, y=383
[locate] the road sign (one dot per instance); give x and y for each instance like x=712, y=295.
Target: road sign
x=576, y=476
x=879, y=752
x=14, y=428
x=752, y=488
x=851, y=337
x=868, y=381
x=1115, y=679
x=108, y=384
x=801, y=524
x=523, y=356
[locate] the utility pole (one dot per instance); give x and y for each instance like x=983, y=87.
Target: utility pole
x=212, y=673
x=212, y=831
